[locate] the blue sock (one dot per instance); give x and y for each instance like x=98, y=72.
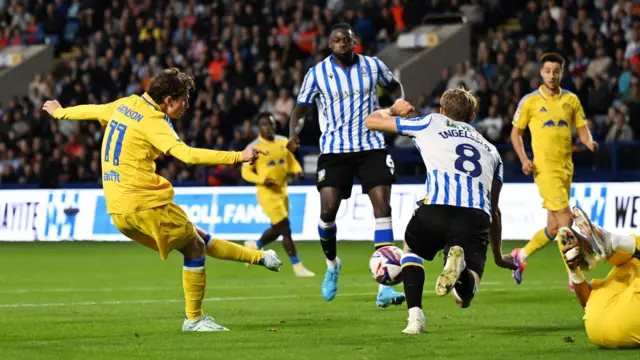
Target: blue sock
x=194, y=264
x=383, y=235
x=207, y=239
x=294, y=260
x=259, y=244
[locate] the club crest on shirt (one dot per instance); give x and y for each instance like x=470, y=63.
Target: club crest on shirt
x=321, y=175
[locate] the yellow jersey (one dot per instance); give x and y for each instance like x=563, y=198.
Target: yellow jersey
x=550, y=119
x=137, y=132
x=276, y=166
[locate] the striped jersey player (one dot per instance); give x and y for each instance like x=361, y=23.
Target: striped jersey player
x=460, y=214
x=344, y=88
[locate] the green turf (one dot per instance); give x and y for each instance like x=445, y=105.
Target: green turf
x=120, y=301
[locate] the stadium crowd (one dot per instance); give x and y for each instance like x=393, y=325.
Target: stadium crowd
x=600, y=41
x=250, y=57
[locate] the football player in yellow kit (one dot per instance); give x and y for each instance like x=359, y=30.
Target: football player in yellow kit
x=549, y=113
x=271, y=173
x=138, y=130
x=611, y=316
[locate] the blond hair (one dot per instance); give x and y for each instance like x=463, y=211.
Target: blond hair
x=459, y=104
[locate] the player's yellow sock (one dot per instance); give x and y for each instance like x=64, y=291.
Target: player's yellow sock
x=226, y=250
x=539, y=240
x=194, y=280
x=624, y=248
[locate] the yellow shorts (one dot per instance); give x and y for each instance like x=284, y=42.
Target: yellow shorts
x=276, y=207
x=163, y=228
x=554, y=188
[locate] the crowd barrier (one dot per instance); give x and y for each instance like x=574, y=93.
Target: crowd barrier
x=233, y=212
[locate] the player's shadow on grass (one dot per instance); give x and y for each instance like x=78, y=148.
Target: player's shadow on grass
x=538, y=329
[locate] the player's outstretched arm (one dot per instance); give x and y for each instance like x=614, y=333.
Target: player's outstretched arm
x=382, y=120
x=495, y=231
x=581, y=286
x=385, y=119
x=518, y=146
x=586, y=138
x=249, y=174
x=199, y=156
x=296, y=124
x=80, y=112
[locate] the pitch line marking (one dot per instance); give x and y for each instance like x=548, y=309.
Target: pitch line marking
x=221, y=287
x=244, y=298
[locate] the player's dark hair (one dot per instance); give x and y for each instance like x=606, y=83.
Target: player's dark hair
x=552, y=58
x=341, y=26
x=459, y=104
x=170, y=82
x=265, y=115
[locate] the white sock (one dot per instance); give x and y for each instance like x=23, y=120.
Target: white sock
x=415, y=313
x=523, y=254
x=622, y=243
x=332, y=264
x=381, y=287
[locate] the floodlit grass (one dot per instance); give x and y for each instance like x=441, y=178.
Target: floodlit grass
x=120, y=301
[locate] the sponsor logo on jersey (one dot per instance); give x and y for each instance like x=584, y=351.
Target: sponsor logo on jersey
x=548, y=123
x=112, y=176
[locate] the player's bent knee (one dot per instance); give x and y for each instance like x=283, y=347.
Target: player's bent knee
x=328, y=214
x=282, y=227
x=194, y=248
x=382, y=211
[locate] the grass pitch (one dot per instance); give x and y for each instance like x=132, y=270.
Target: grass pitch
x=120, y=301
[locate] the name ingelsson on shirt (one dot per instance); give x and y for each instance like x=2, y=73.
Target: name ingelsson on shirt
x=463, y=134
x=131, y=114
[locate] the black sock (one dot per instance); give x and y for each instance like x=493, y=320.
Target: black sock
x=327, y=232
x=413, y=280
x=466, y=284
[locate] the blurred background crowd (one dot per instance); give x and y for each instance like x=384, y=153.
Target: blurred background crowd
x=251, y=56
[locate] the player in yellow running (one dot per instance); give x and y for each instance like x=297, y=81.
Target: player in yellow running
x=271, y=173
x=549, y=112
x=138, y=130
x=611, y=316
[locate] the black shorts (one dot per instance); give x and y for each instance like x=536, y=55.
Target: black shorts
x=372, y=167
x=438, y=227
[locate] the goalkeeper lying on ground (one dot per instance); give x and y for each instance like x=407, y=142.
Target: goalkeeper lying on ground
x=611, y=305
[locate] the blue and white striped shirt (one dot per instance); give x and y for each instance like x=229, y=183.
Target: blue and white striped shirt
x=345, y=97
x=461, y=164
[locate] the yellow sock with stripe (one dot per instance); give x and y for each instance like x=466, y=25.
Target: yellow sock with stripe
x=413, y=279
x=539, y=240
x=226, y=250
x=194, y=280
